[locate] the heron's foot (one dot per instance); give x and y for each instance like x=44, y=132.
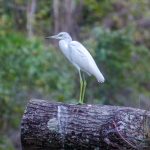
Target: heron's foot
x=80, y=103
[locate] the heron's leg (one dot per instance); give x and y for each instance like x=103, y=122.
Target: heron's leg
x=81, y=88
x=84, y=87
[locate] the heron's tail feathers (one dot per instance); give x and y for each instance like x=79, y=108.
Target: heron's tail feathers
x=100, y=78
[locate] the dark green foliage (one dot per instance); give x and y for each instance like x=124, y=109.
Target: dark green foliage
x=28, y=69
x=114, y=52
x=122, y=63
x=95, y=10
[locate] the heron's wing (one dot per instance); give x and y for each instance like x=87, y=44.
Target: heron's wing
x=81, y=57
x=83, y=60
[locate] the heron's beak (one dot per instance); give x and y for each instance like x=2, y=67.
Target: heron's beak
x=51, y=37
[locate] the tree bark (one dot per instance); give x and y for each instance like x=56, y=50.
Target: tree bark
x=47, y=125
x=31, y=7
x=63, y=13
x=64, y=16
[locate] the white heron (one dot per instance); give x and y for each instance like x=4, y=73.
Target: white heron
x=79, y=56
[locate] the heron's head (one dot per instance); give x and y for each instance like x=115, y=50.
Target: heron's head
x=61, y=36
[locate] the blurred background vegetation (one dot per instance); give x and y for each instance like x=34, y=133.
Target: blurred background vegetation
x=116, y=32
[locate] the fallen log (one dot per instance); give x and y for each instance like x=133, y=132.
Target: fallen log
x=51, y=126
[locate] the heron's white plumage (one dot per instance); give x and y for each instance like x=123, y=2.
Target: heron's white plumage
x=64, y=48
x=82, y=58
x=78, y=55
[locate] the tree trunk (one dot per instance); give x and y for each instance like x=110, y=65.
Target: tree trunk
x=56, y=16
x=31, y=7
x=47, y=125
x=64, y=16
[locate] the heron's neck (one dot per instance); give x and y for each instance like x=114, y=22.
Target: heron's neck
x=63, y=44
x=68, y=39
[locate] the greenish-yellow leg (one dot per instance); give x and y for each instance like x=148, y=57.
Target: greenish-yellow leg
x=83, y=88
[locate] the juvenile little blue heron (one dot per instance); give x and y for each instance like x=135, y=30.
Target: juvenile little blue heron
x=79, y=56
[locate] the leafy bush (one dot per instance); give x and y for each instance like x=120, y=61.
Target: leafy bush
x=5, y=143
x=125, y=65
x=29, y=69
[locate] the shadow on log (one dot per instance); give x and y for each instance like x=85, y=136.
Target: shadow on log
x=47, y=125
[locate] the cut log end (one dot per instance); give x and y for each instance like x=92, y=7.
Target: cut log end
x=47, y=125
